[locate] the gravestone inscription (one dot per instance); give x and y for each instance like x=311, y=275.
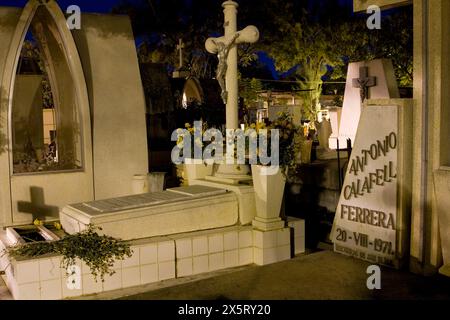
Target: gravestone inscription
x=365, y=224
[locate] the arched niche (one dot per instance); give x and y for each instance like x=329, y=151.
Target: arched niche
x=27, y=194
x=192, y=91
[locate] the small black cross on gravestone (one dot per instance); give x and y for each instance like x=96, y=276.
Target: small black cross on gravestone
x=37, y=206
x=364, y=82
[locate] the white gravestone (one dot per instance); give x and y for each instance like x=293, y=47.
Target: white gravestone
x=377, y=79
x=371, y=217
x=177, y=210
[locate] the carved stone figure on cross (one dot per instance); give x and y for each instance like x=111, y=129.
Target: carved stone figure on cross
x=364, y=82
x=222, y=54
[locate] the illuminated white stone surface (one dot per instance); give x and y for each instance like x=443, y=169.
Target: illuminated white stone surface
x=174, y=211
x=386, y=87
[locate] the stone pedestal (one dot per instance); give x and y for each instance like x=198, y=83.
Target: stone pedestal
x=244, y=193
x=271, y=246
x=195, y=169
x=267, y=224
x=269, y=191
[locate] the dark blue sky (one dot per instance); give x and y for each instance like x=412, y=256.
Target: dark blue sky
x=85, y=5
x=101, y=5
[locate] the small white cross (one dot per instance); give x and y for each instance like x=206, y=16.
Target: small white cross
x=180, y=48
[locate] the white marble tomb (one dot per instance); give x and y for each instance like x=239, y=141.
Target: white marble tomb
x=176, y=210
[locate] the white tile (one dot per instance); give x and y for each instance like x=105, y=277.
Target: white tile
x=258, y=256
x=200, y=246
x=299, y=245
x=131, y=277
x=29, y=291
x=298, y=225
x=231, y=258
x=284, y=253
x=265, y=256
x=27, y=271
x=148, y=254
x=117, y=264
x=85, y=269
x=90, y=286
x=265, y=239
x=283, y=237
x=183, y=248
x=72, y=286
x=50, y=269
x=113, y=282
x=166, y=251
x=51, y=289
x=245, y=256
x=215, y=243
x=200, y=264
x=230, y=240
x=132, y=261
x=184, y=267
x=166, y=270
x=149, y=273
x=216, y=261
x=245, y=238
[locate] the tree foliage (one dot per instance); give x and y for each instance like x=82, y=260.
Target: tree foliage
x=311, y=46
x=310, y=41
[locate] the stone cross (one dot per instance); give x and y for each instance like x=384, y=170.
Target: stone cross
x=364, y=82
x=226, y=50
x=180, y=48
x=37, y=206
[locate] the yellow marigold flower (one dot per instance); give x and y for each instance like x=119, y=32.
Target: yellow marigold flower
x=37, y=222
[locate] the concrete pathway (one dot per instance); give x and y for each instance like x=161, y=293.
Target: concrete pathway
x=321, y=275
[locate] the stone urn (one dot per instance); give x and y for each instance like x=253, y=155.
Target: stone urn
x=156, y=181
x=269, y=186
x=442, y=191
x=140, y=184
x=195, y=169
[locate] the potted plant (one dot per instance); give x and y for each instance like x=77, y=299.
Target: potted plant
x=269, y=181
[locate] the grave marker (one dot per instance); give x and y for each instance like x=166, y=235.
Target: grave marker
x=371, y=221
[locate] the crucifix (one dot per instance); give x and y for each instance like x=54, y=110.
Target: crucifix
x=364, y=82
x=180, y=47
x=226, y=50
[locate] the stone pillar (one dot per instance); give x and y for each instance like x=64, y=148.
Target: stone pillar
x=230, y=12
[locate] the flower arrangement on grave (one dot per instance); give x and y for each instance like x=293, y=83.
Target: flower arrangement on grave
x=196, y=135
x=99, y=252
x=290, y=140
x=193, y=167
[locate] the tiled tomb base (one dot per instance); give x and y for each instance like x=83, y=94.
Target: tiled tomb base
x=156, y=259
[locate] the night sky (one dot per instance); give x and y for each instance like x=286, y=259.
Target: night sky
x=85, y=5
x=107, y=5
